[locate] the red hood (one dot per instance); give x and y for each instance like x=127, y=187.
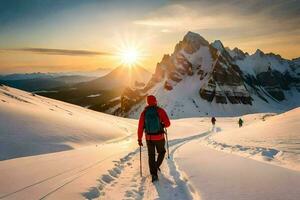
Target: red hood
x=151, y=100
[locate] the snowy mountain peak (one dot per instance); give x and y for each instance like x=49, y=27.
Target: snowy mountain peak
x=218, y=45
x=236, y=53
x=191, y=42
x=276, y=56
x=239, y=51
x=192, y=37
x=259, y=52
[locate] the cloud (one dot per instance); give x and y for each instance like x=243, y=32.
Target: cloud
x=175, y=16
x=275, y=8
x=271, y=25
x=64, y=52
x=178, y=17
x=257, y=16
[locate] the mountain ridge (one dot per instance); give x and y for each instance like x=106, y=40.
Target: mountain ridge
x=200, y=74
x=104, y=92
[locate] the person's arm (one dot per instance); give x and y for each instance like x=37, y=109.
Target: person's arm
x=141, y=126
x=164, y=117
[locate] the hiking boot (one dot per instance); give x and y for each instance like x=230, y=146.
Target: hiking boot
x=154, y=178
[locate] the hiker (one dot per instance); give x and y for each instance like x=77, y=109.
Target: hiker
x=213, y=121
x=240, y=122
x=153, y=120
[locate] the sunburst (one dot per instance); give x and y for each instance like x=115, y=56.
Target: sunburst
x=130, y=56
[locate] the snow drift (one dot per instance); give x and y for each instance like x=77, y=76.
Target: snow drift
x=31, y=125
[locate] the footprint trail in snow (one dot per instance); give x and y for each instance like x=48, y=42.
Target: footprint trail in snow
x=124, y=181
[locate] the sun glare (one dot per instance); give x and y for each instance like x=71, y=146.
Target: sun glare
x=130, y=49
x=130, y=56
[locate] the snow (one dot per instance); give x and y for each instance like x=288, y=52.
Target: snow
x=227, y=169
x=31, y=125
x=260, y=62
x=219, y=175
x=197, y=171
x=73, y=153
x=201, y=57
x=275, y=140
x=185, y=102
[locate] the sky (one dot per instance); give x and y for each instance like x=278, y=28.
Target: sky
x=84, y=35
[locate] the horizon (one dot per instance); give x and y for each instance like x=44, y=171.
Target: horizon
x=47, y=36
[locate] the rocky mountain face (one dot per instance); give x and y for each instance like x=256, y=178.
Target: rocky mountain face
x=200, y=78
x=236, y=53
x=270, y=75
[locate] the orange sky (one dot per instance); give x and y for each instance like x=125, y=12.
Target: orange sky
x=154, y=28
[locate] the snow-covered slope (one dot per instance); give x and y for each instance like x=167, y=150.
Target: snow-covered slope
x=31, y=125
x=200, y=79
x=273, y=139
x=103, y=158
x=220, y=175
x=234, y=163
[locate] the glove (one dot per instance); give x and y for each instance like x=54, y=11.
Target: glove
x=140, y=142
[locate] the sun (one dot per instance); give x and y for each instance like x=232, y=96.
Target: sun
x=130, y=56
x=130, y=50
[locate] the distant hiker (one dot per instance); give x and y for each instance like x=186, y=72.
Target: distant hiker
x=213, y=121
x=240, y=122
x=153, y=120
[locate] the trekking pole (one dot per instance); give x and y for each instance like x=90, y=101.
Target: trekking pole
x=141, y=161
x=166, y=132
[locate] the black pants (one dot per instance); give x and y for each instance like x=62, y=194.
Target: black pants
x=159, y=145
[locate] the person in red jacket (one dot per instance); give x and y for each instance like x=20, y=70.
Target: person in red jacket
x=153, y=120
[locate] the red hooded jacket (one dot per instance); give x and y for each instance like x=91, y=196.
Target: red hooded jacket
x=151, y=100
